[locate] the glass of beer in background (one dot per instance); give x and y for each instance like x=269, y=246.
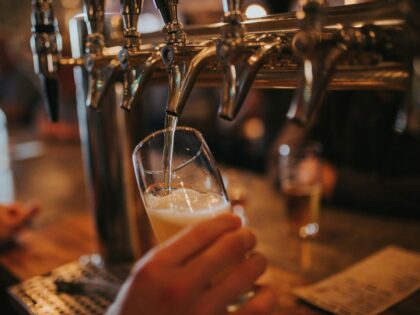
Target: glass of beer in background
x=299, y=169
x=196, y=190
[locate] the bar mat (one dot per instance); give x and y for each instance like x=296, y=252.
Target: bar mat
x=39, y=295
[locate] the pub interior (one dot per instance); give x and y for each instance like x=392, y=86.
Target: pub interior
x=311, y=109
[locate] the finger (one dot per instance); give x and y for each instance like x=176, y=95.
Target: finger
x=228, y=250
x=263, y=302
x=33, y=209
x=10, y=213
x=196, y=238
x=237, y=282
x=24, y=219
x=20, y=216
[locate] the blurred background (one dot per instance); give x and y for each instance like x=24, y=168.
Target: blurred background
x=355, y=128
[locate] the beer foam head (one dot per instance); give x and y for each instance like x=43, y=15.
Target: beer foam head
x=184, y=200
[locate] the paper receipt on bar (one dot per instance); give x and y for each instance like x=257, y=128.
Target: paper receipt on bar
x=368, y=287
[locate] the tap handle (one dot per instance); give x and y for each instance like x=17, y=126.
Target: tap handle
x=232, y=7
x=130, y=11
x=168, y=10
x=46, y=48
x=234, y=28
x=94, y=11
x=312, y=15
x=311, y=19
x=174, y=32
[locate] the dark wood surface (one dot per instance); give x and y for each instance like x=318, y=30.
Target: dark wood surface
x=38, y=251
x=60, y=236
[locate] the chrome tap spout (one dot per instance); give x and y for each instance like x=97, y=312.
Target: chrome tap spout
x=94, y=14
x=182, y=82
x=316, y=73
x=182, y=62
x=137, y=64
x=103, y=69
x=46, y=48
x=135, y=78
x=130, y=11
x=109, y=75
x=232, y=47
x=236, y=87
x=319, y=59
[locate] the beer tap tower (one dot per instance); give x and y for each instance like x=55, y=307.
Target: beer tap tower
x=363, y=46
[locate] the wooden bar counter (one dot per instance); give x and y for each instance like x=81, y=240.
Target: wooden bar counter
x=63, y=230
x=62, y=236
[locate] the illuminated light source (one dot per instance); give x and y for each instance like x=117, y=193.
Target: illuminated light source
x=254, y=11
x=284, y=150
x=300, y=15
x=149, y=23
x=253, y=129
x=310, y=229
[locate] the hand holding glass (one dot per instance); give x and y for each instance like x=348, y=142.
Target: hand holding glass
x=195, y=192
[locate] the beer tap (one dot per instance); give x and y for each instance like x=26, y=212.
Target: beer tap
x=46, y=48
x=96, y=58
x=228, y=51
x=136, y=63
x=321, y=51
x=232, y=46
x=183, y=75
x=319, y=58
x=184, y=61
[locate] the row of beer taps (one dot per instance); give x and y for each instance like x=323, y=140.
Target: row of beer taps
x=310, y=43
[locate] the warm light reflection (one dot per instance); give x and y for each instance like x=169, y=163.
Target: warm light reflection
x=71, y=4
x=347, y=2
x=253, y=129
x=254, y=11
x=305, y=255
x=307, y=68
x=308, y=230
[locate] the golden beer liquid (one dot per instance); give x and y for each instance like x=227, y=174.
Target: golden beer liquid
x=168, y=215
x=302, y=206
